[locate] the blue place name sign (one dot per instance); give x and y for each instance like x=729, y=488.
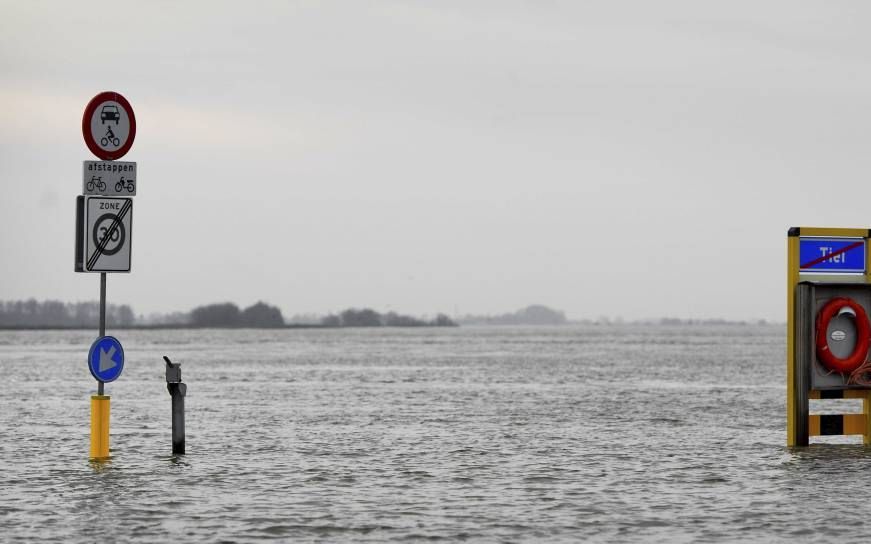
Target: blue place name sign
x=831, y=255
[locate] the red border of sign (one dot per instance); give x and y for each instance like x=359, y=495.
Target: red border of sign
x=86, y=126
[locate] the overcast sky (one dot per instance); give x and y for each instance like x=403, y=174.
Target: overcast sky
x=638, y=159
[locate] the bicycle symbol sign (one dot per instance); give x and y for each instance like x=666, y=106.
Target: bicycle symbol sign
x=109, y=126
x=109, y=178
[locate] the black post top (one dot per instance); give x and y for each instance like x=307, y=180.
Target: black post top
x=173, y=371
x=796, y=231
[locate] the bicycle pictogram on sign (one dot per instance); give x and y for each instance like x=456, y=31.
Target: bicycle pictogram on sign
x=109, y=138
x=96, y=183
x=125, y=184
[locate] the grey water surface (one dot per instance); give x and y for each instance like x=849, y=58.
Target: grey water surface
x=594, y=433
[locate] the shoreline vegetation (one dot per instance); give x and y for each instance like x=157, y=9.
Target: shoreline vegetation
x=53, y=314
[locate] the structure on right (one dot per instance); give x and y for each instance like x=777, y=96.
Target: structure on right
x=828, y=330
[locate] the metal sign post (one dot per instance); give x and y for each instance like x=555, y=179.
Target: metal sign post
x=102, y=320
x=104, y=230
x=177, y=391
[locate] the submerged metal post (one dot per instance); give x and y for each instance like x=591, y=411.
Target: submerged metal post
x=99, y=427
x=100, y=403
x=803, y=349
x=102, y=319
x=177, y=391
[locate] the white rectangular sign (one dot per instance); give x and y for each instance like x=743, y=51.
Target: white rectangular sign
x=108, y=232
x=109, y=178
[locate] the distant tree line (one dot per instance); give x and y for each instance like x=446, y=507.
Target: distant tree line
x=531, y=315
x=227, y=314
x=711, y=321
x=54, y=313
x=367, y=317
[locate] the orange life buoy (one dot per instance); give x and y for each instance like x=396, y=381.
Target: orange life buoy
x=863, y=336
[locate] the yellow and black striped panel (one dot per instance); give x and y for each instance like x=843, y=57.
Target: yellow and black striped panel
x=842, y=424
x=836, y=424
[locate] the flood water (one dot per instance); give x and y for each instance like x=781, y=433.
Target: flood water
x=597, y=433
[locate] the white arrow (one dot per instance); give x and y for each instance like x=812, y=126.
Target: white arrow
x=106, y=361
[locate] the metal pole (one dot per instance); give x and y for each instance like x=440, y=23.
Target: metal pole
x=178, y=420
x=99, y=402
x=102, y=318
x=177, y=390
x=803, y=349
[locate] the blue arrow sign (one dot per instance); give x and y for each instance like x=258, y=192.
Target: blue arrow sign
x=106, y=359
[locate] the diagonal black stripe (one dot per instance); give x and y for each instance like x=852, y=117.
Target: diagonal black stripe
x=115, y=224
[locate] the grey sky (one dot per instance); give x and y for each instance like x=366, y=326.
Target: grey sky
x=607, y=158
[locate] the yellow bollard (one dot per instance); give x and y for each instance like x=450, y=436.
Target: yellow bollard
x=99, y=426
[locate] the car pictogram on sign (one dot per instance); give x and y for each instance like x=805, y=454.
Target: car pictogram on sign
x=110, y=113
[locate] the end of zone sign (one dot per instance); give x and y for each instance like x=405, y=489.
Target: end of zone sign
x=104, y=234
x=818, y=255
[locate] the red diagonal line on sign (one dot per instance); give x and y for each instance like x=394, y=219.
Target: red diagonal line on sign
x=844, y=249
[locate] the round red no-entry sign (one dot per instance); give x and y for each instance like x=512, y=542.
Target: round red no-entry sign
x=109, y=126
